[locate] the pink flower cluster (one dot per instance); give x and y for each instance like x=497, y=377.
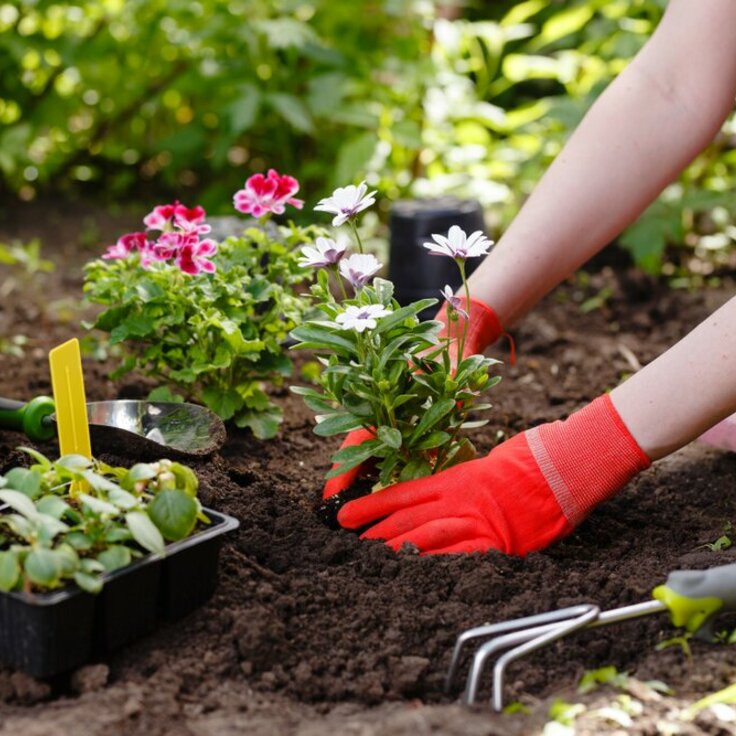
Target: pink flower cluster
x=267, y=194
x=179, y=240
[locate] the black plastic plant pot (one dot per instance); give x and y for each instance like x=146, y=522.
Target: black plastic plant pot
x=414, y=272
x=45, y=634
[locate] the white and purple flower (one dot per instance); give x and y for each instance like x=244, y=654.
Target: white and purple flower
x=346, y=202
x=326, y=252
x=459, y=245
x=362, y=318
x=453, y=302
x=359, y=269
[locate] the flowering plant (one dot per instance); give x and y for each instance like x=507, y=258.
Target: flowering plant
x=204, y=317
x=384, y=369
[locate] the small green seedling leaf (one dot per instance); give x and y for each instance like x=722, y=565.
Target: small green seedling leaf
x=43, y=567
x=174, y=512
x=144, y=531
x=9, y=571
x=114, y=557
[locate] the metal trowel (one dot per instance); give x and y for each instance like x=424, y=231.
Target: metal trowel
x=145, y=429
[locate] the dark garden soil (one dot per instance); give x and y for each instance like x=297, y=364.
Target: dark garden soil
x=314, y=631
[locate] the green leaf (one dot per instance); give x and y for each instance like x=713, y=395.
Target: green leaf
x=411, y=310
x=87, y=582
x=351, y=457
x=263, y=424
x=43, y=567
x=19, y=502
x=97, y=505
x=292, y=110
x=242, y=113
x=26, y=481
x=52, y=506
x=390, y=437
x=353, y=156
x=225, y=403
x=114, y=557
x=80, y=541
x=174, y=512
x=122, y=499
x=433, y=415
x=314, y=336
x=165, y=394
x=432, y=440
x=9, y=571
x=415, y=468
x=337, y=423
x=144, y=531
x=75, y=463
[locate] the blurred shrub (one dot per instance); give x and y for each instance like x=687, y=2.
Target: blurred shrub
x=418, y=96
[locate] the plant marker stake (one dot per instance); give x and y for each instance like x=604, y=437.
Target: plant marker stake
x=67, y=383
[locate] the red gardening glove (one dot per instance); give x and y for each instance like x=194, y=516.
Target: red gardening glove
x=484, y=328
x=525, y=494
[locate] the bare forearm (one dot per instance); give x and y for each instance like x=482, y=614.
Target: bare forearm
x=685, y=391
x=645, y=128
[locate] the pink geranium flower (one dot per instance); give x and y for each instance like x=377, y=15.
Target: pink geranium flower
x=126, y=244
x=267, y=194
x=194, y=258
x=173, y=214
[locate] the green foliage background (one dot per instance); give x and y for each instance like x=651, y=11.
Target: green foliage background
x=135, y=97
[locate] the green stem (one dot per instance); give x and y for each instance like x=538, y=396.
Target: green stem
x=461, y=265
x=357, y=236
x=341, y=283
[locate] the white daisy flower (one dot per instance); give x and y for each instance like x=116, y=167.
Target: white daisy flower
x=326, y=252
x=362, y=318
x=346, y=202
x=359, y=268
x=459, y=245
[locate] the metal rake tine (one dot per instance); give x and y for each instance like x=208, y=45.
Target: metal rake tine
x=550, y=617
x=557, y=632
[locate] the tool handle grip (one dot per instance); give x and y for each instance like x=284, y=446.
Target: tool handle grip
x=30, y=417
x=695, y=597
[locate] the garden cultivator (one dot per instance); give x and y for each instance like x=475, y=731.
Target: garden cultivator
x=693, y=597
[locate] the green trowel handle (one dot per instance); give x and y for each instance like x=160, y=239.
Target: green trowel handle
x=29, y=417
x=694, y=597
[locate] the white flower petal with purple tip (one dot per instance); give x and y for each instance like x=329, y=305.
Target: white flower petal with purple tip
x=458, y=244
x=455, y=302
x=362, y=318
x=346, y=202
x=326, y=252
x=359, y=268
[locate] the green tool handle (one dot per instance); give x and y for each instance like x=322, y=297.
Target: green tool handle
x=30, y=417
x=695, y=597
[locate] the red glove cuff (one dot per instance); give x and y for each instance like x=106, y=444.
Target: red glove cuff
x=586, y=458
x=484, y=327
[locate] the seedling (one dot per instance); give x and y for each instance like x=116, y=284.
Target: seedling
x=53, y=533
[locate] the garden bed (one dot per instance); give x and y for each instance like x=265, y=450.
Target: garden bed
x=313, y=631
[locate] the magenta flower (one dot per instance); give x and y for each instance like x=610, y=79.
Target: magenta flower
x=194, y=257
x=453, y=302
x=173, y=214
x=359, y=268
x=327, y=252
x=459, y=245
x=126, y=245
x=267, y=194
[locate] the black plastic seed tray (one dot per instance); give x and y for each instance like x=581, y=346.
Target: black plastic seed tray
x=45, y=634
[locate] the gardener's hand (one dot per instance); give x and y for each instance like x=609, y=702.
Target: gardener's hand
x=484, y=328
x=525, y=494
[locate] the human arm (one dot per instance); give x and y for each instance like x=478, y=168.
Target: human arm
x=650, y=122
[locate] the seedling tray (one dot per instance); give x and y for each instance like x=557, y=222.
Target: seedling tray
x=45, y=634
